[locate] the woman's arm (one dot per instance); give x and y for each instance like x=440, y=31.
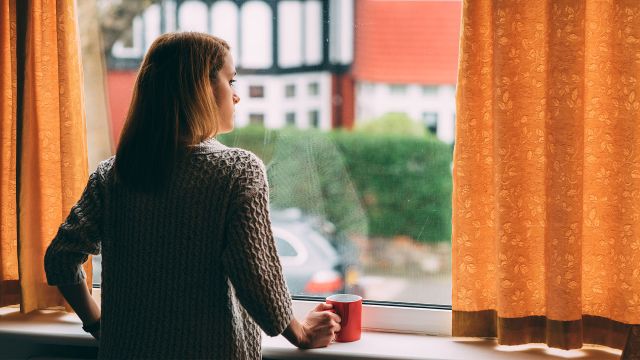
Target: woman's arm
x=77, y=238
x=252, y=264
x=78, y=296
x=83, y=304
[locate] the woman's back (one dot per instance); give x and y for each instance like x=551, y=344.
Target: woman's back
x=166, y=258
x=189, y=264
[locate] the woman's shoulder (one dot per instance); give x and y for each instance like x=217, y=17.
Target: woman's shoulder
x=243, y=162
x=105, y=167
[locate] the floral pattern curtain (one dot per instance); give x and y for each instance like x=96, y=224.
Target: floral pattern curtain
x=43, y=153
x=546, y=230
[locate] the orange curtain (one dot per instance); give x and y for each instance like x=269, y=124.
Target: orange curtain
x=546, y=222
x=9, y=289
x=43, y=154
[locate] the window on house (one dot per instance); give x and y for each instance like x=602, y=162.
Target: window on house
x=256, y=119
x=314, y=119
x=290, y=91
x=290, y=119
x=313, y=88
x=429, y=89
x=256, y=91
x=430, y=121
x=398, y=89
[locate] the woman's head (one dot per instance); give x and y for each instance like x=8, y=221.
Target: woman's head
x=182, y=96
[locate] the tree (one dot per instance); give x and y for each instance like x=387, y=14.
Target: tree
x=116, y=17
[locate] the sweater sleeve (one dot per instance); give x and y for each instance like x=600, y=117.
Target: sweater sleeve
x=250, y=257
x=79, y=236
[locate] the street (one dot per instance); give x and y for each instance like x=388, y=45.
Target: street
x=428, y=290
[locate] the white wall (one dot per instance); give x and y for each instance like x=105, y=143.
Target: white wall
x=192, y=16
x=313, y=32
x=341, y=31
x=376, y=99
x=275, y=105
x=224, y=24
x=256, y=35
x=290, y=33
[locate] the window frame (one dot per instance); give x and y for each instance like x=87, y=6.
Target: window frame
x=261, y=114
x=313, y=88
x=394, y=317
x=314, y=118
x=429, y=90
x=380, y=316
x=430, y=120
x=398, y=89
x=256, y=91
x=290, y=91
x=293, y=117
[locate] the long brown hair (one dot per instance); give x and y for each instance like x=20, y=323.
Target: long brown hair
x=172, y=107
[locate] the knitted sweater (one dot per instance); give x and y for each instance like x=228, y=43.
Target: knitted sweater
x=189, y=273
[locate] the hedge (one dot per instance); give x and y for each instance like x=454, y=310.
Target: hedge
x=372, y=185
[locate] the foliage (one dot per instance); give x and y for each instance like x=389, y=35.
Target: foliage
x=393, y=123
x=372, y=185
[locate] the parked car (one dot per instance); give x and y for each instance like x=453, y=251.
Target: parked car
x=307, y=247
x=308, y=250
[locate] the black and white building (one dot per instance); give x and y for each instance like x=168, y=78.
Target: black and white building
x=292, y=56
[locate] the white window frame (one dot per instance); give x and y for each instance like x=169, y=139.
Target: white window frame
x=393, y=318
x=382, y=318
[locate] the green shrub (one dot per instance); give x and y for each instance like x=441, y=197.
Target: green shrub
x=373, y=185
x=393, y=123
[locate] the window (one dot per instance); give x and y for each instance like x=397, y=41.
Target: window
x=313, y=89
x=381, y=221
x=429, y=90
x=256, y=119
x=290, y=119
x=314, y=119
x=290, y=91
x=430, y=120
x=256, y=91
x=398, y=89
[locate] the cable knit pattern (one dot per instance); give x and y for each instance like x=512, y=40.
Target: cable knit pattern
x=189, y=273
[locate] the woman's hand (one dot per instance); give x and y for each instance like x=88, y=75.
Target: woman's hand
x=320, y=327
x=317, y=330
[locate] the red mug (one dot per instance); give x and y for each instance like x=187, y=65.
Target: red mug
x=349, y=308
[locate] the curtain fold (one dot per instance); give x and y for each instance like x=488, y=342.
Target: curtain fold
x=49, y=147
x=546, y=237
x=9, y=286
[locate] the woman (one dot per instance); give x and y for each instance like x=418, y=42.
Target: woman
x=189, y=265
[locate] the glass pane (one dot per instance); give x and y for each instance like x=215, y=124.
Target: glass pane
x=361, y=178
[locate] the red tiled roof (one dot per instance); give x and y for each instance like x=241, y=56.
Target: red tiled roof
x=407, y=41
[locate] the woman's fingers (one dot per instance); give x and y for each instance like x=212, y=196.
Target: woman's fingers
x=323, y=307
x=336, y=327
x=335, y=317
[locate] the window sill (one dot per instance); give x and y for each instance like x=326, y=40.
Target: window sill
x=58, y=328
